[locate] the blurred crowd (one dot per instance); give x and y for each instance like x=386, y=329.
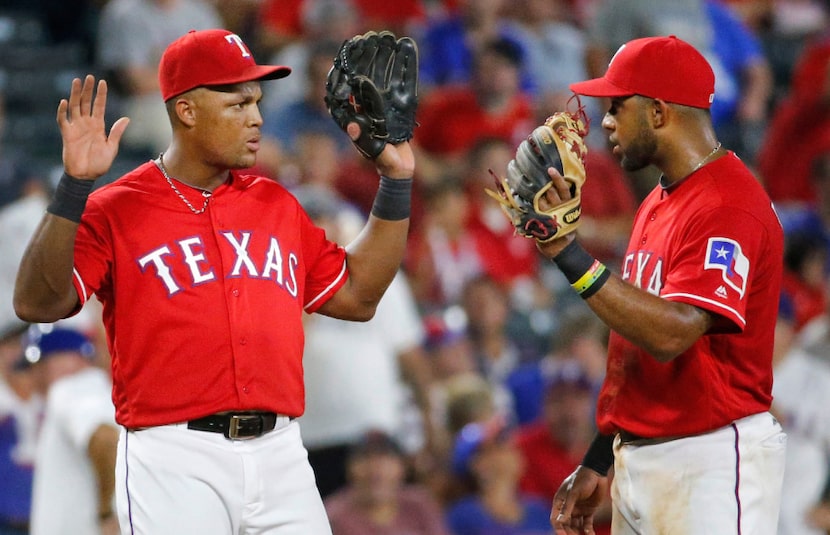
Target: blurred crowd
x=469, y=397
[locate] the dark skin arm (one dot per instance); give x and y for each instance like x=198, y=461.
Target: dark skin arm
x=664, y=329
x=43, y=289
x=375, y=256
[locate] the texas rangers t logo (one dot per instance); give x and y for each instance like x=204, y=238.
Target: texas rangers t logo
x=725, y=254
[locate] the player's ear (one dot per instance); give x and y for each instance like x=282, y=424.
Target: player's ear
x=658, y=111
x=185, y=111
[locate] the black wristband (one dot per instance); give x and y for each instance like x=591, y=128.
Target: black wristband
x=585, y=273
x=600, y=454
x=70, y=197
x=573, y=261
x=393, y=199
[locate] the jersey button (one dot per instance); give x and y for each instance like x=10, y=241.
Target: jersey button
x=643, y=241
x=235, y=293
x=243, y=341
x=653, y=216
x=246, y=389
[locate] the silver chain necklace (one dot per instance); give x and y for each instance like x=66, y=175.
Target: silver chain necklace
x=206, y=194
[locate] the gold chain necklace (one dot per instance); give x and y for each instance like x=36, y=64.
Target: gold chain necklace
x=206, y=194
x=706, y=159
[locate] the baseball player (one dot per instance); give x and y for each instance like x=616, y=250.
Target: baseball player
x=683, y=410
x=204, y=273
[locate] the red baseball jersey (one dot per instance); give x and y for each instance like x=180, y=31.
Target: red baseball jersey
x=203, y=312
x=715, y=242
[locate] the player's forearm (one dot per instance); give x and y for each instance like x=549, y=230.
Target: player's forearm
x=374, y=258
x=43, y=290
x=662, y=328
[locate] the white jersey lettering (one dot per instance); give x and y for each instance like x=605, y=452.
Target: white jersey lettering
x=291, y=286
x=162, y=270
x=192, y=258
x=646, y=267
x=241, y=250
x=273, y=261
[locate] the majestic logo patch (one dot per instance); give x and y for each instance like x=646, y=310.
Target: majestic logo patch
x=725, y=254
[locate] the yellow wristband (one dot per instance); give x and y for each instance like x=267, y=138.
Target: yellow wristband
x=589, y=278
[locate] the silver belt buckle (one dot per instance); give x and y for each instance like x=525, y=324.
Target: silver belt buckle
x=233, y=429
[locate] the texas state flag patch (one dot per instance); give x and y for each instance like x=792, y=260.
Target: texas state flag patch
x=725, y=254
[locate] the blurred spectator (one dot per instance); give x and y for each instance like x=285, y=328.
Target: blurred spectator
x=581, y=338
x=377, y=499
x=132, y=35
x=743, y=79
x=555, y=48
x=801, y=392
x=308, y=113
x=487, y=307
x=453, y=118
x=553, y=445
x=485, y=455
x=450, y=44
x=401, y=17
x=442, y=255
x=785, y=167
x=507, y=260
x=804, y=282
x=20, y=410
x=360, y=376
x=23, y=199
x=74, y=478
x=813, y=217
x=289, y=30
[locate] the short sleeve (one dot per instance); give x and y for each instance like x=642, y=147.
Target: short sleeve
x=713, y=265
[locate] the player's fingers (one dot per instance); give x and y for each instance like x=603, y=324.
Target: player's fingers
x=99, y=105
x=588, y=525
x=61, y=118
x=87, y=92
x=74, y=102
x=118, y=129
x=562, y=186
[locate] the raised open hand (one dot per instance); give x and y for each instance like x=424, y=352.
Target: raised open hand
x=88, y=152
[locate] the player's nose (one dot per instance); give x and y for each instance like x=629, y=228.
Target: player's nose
x=608, y=121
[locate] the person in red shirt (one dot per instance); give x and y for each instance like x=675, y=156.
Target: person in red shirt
x=204, y=273
x=683, y=411
x=553, y=445
x=804, y=114
x=454, y=118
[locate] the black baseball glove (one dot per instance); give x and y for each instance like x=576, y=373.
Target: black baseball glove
x=374, y=83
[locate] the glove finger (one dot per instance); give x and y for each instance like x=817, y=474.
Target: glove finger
x=403, y=74
x=362, y=53
x=383, y=58
x=371, y=102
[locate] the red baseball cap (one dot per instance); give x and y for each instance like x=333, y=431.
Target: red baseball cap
x=210, y=57
x=667, y=68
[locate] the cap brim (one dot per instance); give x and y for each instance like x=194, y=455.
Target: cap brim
x=255, y=73
x=599, y=87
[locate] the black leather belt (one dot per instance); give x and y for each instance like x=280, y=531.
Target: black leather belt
x=237, y=425
x=626, y=437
